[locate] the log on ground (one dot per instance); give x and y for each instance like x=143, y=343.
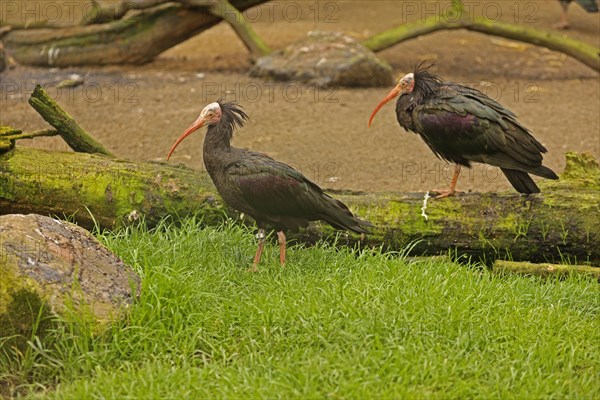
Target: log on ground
x=135, y=40
x=546, y=269
x=98, y=190
x=561, y=224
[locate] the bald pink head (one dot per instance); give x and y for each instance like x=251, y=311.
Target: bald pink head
x=211, y=114
x=405, y=85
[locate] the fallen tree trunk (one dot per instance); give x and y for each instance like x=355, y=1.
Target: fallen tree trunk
x=92, y=189
x=135, y=40
x=563, y=224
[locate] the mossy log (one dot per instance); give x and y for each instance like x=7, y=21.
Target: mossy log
x=92, y=189
x=134, y=39
x=562, y=224
x=527, y=268
x=581, y=51
x=105, y=12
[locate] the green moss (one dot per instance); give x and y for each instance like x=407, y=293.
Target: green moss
x=8, y=130
x=484, y=241
x=9, y=282
x=584, y=52
x=6, y=145
x=582, y=168
x=407, y=215
x=110, y=189
x=513, y=223
x=26, y=315
x=5, y=142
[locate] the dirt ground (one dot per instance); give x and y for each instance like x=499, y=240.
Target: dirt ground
x=139, y=111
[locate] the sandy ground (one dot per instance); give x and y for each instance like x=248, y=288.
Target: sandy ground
x=138, y=111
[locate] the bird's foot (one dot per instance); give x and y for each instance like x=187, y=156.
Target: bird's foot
x=443, y=193
x=450, y=191
x=253, y=269
x=561, y=25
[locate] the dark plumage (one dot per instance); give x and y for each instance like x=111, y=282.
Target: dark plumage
x=271, y=192
x=462, y=125
x=590, y=6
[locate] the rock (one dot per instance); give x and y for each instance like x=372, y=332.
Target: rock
x=46, y=263
x=325, y=59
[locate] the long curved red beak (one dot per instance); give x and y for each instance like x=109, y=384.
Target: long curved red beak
x=199, y=123
x=393, y=93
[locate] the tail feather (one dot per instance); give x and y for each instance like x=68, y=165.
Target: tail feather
x=544, y=172
x=339, y=216
x=521, y=181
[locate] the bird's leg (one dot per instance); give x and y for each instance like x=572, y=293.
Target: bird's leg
x=261, y=243
x=563, y=23
x=450, y=191
x=281, y=239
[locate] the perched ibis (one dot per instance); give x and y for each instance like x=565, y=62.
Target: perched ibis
x=462, y=125
x=590, y=6
x=271, y=192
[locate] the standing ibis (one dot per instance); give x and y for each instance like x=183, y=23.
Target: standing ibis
x=271, y=192
x=462, y=125
x=590, y=6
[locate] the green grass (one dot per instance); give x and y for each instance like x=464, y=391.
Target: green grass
x=333, y=324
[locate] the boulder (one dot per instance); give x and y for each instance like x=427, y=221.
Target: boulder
x=325, y=59
x=48, y=266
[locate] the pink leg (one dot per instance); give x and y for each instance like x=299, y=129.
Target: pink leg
x=564, y=22
x=282, y=241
